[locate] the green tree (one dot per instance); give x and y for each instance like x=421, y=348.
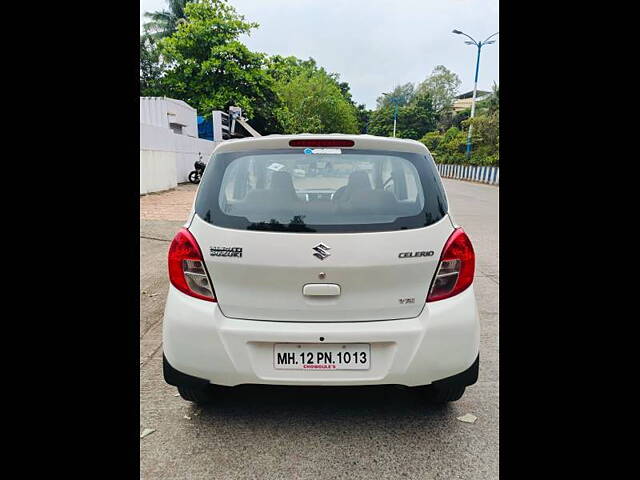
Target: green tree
x=446, y=147
x=362, y=113
x=312, y=102
x=283, y=69
x=414, y=119
x=442, y=85
x=164, y=23
x=419, y=117
x=460, y=117
x=150, y=70
x=403, y=94
x=491, y=104
x=452, y=119
x=420, y=109
x=207, y=67
x=327, y=105
x=364, y=117
x=485, y=138
x=381, y=121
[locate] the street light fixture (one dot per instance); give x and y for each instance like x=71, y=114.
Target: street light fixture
x=486, y=41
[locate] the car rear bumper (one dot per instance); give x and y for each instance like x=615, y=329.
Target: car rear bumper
x=202, y=345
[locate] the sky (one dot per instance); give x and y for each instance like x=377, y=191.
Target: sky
x=374, y=44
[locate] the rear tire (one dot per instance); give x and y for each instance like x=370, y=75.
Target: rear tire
x=200, y=395
x=440, y=394
x=194, y=177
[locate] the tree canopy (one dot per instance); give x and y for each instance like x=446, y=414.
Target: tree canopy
x=313, y=103
x=150, y=69
x=401, y=94
x=204, y=64
x=442, y=85
x=312, y=100
x=490, y=104
x=414, y=119
x=165, y=22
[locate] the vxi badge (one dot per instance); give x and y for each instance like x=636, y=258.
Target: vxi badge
x=415, y=254
x=321, y=251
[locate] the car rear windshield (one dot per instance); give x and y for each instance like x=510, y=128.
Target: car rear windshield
x=322, y=190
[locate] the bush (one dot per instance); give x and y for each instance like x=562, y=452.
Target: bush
x=450, y=147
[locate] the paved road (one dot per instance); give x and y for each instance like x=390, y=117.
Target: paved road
x=322, y=433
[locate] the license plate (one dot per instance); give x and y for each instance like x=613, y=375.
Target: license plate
x=322, y=356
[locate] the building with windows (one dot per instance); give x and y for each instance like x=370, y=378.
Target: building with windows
x=464, y=100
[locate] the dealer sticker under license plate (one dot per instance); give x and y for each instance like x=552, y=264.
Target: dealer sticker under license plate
x=322, y=356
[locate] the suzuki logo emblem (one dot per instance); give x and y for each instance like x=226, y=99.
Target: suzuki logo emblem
x=321, y=251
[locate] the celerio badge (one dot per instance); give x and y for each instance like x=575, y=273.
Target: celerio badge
x=321, y=251
x=416, y=254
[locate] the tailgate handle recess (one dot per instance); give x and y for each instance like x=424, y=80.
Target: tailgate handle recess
x=324, y=289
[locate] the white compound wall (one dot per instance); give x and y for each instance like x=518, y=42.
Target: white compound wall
x=167, y=157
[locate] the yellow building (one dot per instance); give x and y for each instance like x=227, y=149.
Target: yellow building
x=464, y=100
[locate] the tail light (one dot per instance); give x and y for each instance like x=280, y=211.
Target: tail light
x=456, y=267
x=326, y=142
x=186, y=267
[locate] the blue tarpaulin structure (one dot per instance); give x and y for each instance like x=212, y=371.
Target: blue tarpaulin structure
x=205, y=128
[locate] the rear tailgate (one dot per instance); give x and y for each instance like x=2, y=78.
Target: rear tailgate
x=375, y=281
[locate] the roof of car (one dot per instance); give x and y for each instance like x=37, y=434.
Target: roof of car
x=362, y=142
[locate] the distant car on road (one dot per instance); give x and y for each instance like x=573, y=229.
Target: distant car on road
x=360, y=277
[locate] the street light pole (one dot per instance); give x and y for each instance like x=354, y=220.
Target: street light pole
x=473, y=101
x=395, y=117
x=394, y=100
x=479, y=45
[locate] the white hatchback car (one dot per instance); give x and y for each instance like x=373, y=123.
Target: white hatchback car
x=321, y=260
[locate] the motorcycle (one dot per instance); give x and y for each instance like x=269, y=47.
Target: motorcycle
x=196, y=175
